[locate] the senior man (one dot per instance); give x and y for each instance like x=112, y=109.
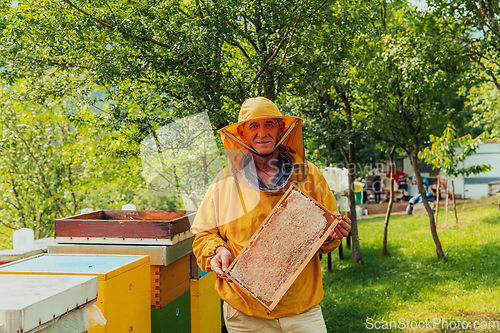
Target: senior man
x=266, y=155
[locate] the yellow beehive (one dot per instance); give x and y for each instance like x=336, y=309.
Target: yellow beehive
x=123, y=285
x=205, y=305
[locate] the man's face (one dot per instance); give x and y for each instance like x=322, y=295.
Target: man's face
x=261, y=134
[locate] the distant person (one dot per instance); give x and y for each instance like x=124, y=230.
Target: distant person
x=401, y=178
x=431, y=196
x=418, y=199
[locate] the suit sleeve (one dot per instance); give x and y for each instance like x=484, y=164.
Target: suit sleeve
x=207, y=237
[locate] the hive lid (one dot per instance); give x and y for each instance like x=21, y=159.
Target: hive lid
x=11, y=255
x=104, y=266
x=28, y=301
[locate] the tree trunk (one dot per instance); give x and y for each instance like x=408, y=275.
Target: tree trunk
x=438, y=195
x=391, y=201
x=454, y=202
x=446, y=205
x=430, y=214
x=351, y=166
x=341, y=252
x=356, y=249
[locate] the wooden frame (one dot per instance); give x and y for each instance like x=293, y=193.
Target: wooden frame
x=151, y=227
x=331, y=223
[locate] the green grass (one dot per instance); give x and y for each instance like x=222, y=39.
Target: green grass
x=412, y=284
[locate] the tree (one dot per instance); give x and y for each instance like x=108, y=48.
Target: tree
x=322, y=91
x=480, y=31
x=448, y=151
x=411, y=74
x=156, y=60
x=50, y=168
x=484, y=102
x=385, y=252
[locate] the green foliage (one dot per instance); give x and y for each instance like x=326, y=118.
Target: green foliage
x=480, y=32
x=448, y=151
x=50, y=168
x=410, y=74
x=484, y=100
x=156, y=60
x=480, y=35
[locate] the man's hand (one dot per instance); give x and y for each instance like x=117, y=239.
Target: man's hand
x=342, y=229
x=223, y=258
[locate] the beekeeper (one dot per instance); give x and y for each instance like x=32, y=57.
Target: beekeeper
x=265, y=154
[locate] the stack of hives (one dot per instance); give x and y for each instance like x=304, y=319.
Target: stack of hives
x=163, y=236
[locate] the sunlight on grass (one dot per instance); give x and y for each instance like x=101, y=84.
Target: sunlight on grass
x=411, y=284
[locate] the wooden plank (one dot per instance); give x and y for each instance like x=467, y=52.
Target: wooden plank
x=195, y=269
x=145, y=215
x=158, y=255
x=169, y=282
x=298, y=255
x=125, y=241
x=90, y=216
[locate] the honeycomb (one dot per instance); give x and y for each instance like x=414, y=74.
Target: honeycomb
x=275, y=254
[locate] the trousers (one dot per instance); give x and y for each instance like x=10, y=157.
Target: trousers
x=310, y=321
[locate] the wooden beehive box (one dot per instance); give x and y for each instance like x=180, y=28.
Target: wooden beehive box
x=152, y=227
x=123, y=285
x=30, y=302
x=282, y=246
x=205, y=305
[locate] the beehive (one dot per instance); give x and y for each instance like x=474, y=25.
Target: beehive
x=283, y=245
x=142, y=227
x=205, y=305
x=29, y=303
x=123, y=285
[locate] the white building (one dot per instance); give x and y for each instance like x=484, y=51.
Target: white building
x=473, y=187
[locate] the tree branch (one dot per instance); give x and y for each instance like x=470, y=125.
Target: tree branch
x=109, y=26
x=275, y=53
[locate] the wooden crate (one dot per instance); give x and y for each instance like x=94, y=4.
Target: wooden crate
x=173, y=317
x=169, y=282
x=282, y=246
x=153, y=227
x=205, y=305
x=29, y=302
x=123, y=285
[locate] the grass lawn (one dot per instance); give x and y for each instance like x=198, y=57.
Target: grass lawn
x=411, y=286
